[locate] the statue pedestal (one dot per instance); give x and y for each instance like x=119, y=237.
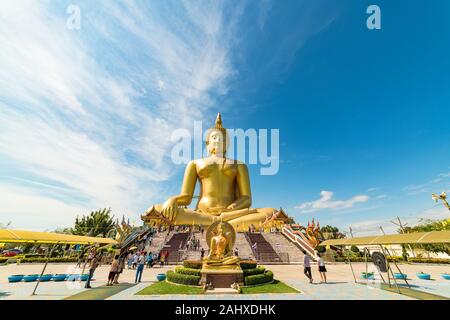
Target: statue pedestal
x=222, y=276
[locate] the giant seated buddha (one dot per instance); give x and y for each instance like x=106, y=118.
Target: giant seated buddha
x=225, y=193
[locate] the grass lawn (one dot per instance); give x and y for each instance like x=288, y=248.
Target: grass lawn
x=164, y=287
x=274, y=287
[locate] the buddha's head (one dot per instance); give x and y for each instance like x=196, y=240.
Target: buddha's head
x=220, y=229
x=217, y=139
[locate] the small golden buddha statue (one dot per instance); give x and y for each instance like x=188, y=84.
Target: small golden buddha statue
x=220, y=237
x=225, y=193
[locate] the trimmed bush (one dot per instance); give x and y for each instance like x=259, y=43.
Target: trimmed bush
x=321, y=249
x=253, y=271
x=192, y=264
x=188, y=271
x=182, y=278
x=248, y=264
x=39, y=260
x=51, y=260
x=429, y=260
x=259, y=278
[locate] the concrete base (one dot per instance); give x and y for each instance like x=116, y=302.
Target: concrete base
x=222, y=291
x=222, y=276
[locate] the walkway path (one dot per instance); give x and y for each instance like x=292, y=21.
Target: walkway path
x=100, y=293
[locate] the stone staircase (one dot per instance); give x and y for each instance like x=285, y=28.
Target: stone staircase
x=196, y=254
x=177, y=241
x=263, y=249
x=158, y=241
x=245, y=250
x=282, y=245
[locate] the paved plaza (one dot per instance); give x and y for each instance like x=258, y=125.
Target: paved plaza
x=340, y=284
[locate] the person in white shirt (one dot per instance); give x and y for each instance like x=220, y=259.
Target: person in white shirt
x=322, y=269
x=307, y=266
x=140, y=267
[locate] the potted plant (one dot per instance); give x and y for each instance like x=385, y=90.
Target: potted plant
x=59, y=277
x=424, y=276
x=368, y=275
x=400, y=276
x=15, y=278
x=161, y=277
x=46, y=277
x=31, y=277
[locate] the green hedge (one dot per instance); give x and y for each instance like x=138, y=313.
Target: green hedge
x=182, y=278
x=253, y=271
x=362, y=259
x=259, y=278
x=192, y=264
x=188, y=271
x=39, y=260
x=429, y=260
x=396, y=259
x=248, y=264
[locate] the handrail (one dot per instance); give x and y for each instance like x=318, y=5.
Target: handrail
x=296, y=237
x=255, y=253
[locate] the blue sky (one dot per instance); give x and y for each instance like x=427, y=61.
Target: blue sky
x=86, y=115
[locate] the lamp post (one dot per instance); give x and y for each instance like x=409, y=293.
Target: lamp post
x=442, y=197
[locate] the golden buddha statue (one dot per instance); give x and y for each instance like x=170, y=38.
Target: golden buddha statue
x=225, y=193
x=220, y=237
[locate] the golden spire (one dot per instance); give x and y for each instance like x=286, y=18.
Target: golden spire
x=218, y=121
x=218, y=125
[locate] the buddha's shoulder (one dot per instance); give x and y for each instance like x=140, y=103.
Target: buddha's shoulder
x=207, y=161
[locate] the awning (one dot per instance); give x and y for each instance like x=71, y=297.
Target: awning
x=21, y=236
x=406, y=238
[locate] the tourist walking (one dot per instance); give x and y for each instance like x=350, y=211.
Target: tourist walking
x=322, y=269
x=149, y=260
x=307, y=266
x=120, y=268
x=93, y=264
x=113, y=270
x=130, y=260
x=135, y=260
x=140, y=267
x=202, y=253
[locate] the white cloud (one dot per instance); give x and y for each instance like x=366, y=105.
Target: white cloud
x=89, y=111
x=372, y=227
x=441, y=181
x=326, y=202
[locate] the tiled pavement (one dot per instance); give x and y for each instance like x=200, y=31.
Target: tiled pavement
x=340, y=286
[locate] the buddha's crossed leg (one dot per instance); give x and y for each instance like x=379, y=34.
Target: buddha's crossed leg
x=239, y=219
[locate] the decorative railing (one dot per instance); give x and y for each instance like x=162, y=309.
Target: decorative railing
x=300, y=239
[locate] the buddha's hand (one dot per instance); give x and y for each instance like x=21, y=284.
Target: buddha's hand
x=170, y=209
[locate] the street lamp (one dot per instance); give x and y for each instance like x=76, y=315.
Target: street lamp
x=442, y=197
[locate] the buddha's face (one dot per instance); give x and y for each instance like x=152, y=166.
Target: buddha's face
x=220, y=230
x=216, y=143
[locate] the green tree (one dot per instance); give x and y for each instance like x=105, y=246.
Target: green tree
x=97, y=223
x=431, y=225
x=330, y=232
x=290, y=220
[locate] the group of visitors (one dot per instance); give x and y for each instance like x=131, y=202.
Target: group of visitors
x=307, y=267
x=116, y=269
x=135, y=261
x=193, y=244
